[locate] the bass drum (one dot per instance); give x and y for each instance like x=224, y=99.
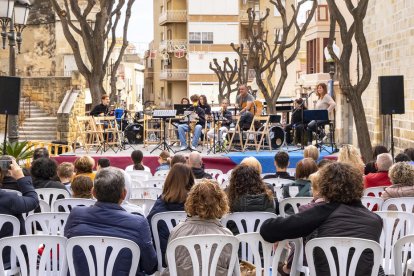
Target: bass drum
x=277, y=136
x=134, y=133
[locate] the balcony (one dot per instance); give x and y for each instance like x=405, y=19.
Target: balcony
x=173, y=45
x=172, y=16
x=149, y=73
x=244, y=17
x=174, y=74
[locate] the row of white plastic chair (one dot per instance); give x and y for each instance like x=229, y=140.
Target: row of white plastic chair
x=144, y=175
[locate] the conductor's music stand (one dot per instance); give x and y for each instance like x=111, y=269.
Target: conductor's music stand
x=164, y=115
x=319, y=115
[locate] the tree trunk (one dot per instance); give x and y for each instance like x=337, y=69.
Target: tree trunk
x=97, y=90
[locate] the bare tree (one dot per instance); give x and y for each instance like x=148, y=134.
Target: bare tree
x=268, y=57
x=76, y=19
x=228, y=76
x=349, y=35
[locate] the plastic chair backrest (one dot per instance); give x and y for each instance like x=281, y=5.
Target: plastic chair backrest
x=139, y=175
x=5, y=219
x=102, y=245
x=225, y=184
x=50, y=195
x=222, y=178
x=342, y=245
x=209, y=258
x=401, y=251
x=161, y=173
x=374, y=191
x=50, y=223
x=146, y=204
x=265, y=253
x=395, y=225
x=68, y=203
x=145, y=193
x=215, y=173
x=154, y=182
x=44, y=208
x=372, y=202
x=295, y=202
x=171, y=219
x=229, y=172
x=278, y=182
x=404, y=204
x=136, y=183
x=51, y=262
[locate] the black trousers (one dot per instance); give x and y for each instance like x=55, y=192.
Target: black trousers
x=298, y=133
x=312, y=127
x=246, y=119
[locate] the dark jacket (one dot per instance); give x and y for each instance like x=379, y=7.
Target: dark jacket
x=110, y=219
x=229, y=116
x=199, y=173
x=43, y=183
x=9, y=183
x=98, y=109
x=330, y=220
x=206, y=108
x=284, y=175
x=304, y=187
x=201, y=114
x=163, y=232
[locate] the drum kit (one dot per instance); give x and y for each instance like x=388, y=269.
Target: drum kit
x=131, y=126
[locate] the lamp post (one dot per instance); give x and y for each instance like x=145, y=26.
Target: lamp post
x=13, y=15
x=332, y=68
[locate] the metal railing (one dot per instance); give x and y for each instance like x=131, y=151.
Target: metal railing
x=174, y=74
x=173, y=16
x=173, y=45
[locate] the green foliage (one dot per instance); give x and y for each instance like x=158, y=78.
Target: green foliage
x=19, y=150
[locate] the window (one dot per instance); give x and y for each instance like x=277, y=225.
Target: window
x=201, y=37
x=315, y=57
x=311, y=57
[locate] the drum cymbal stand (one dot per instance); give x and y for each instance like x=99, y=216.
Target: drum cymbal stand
x=219, y=143
x=123, y=137
x=164, y=115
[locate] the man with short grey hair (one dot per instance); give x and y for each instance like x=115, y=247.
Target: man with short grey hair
x=380, y=178
x=196, y=164
x=108, y=218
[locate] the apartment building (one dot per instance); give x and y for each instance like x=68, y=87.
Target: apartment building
x=188, y=35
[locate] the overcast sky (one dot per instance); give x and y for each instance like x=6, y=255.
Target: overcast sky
x=140, y=30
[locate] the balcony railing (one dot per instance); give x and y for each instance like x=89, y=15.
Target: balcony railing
x=244, y=17
x=172, y=16
x=174, y=74
x=174, y=45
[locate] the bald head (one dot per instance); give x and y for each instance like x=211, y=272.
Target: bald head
x=384, y=162
x=194, y=159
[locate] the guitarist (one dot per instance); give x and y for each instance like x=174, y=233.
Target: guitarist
x=245, y=102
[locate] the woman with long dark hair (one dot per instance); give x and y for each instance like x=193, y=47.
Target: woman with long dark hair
x=137, y=157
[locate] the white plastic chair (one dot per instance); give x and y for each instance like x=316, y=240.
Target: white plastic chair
x=224, y=185
x=137, y=183
x=154, y=182
x=161, y=173
x=374, y=191
x=50, y=195
x=209, y=258
x=146, y=204
x=6, y=219
x=260, y=250
x=139, y=175
x=395, y=225
x=68, y=203
x=215, y=173
x=294, y=202
x=247, y=222
x=44, y=208
x=277, y=182
x=404, y=204
x=222, y=178
x=50, y=223
x=342, y=245
x=145, y=193
x=401, y=249
x=12, y=191
x=171, y=219
x=101, y=246
x=51, y=262
x=229, y=172
x=371, y=202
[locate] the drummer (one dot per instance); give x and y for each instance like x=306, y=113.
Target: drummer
x=101, y=109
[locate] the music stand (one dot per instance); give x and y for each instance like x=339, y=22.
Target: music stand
x=318, y=115
x=164, y=115
x=181, y=108
x=104, y=122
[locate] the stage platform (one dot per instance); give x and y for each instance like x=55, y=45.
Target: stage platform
x=221, y=161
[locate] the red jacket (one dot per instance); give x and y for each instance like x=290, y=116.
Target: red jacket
x=376, y=179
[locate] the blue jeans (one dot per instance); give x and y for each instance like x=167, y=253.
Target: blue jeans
x=183, y=129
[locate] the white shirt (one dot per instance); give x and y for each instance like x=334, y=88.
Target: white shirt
x=130, y=168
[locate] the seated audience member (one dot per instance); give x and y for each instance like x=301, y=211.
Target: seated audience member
x=410, y=153
x=65, y=173
x=252, y=162
x=137, y=157
x=40, y=153
x=370, y=166
x=401, y=175
x=281, y=164
x=178, y=183
x=343, y=215
x=7, y=181
x=178, y=158
x=14, y=204
x=247, y=192
x=301, y=186
x=84, y=166
x=311, y=152
x=43, y=172
x=206, y=204
x=82, y=187
x=103, y=163
x=194, y=161
x=350, y=155
x=380, y=178
x=108, y=218
x=164, y=161
x=402, y=157
x=324, y=162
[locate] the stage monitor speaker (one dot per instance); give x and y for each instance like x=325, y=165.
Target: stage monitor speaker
x=9, y=95
x=391, y=95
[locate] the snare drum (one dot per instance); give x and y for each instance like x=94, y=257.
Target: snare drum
x=134, y=134
x=277, y=136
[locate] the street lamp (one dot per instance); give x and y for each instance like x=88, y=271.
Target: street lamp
x=13, y=14
x=331, y=62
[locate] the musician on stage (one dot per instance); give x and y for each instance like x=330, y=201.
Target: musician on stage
x=183, y=128
x=324, y=102
x=296, y=122
x=245, y=102
x=225, y=124
x=101, y=109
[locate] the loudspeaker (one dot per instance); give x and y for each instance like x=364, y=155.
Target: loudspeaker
x=9, y=95
x=391, y=95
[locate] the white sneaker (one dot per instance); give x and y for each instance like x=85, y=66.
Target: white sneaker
x=193, y=148
x=183, y=148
